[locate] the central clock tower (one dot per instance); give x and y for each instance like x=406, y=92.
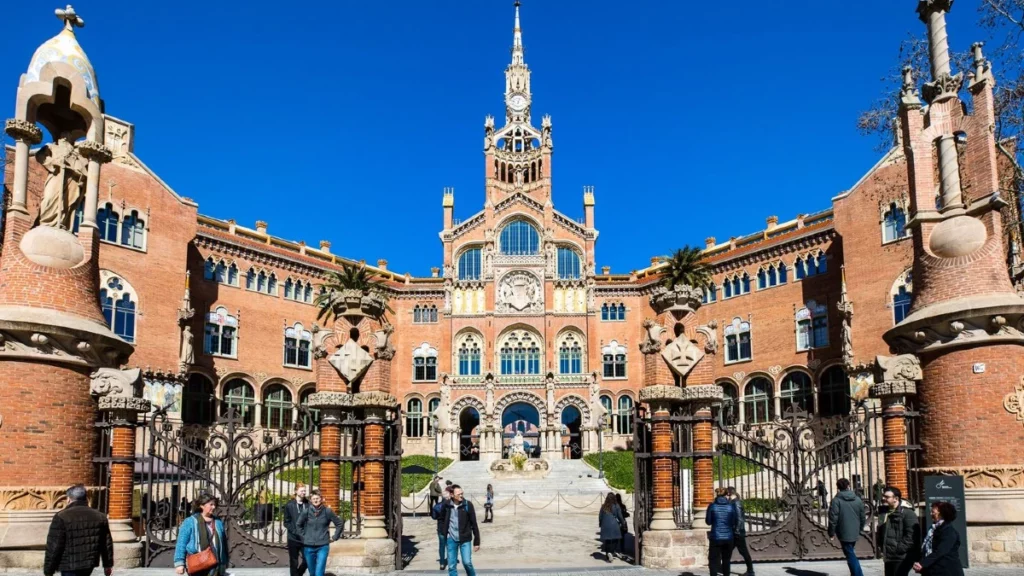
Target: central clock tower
x=517, y=80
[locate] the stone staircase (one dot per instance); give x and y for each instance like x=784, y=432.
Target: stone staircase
x=573, y=479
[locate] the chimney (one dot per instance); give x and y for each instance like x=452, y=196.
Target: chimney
x=434, y=272
x=231, y=226
x=606, y=270
x=709, y=242
x=772, y=222
x=325, y=246
x=588, y=207
x=382, y=264
x=261, y=226
x=302, y=246
x=448, y=203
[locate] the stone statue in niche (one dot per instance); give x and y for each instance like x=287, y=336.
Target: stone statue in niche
x=351, y=361
x=188, y=355
x=64, y=189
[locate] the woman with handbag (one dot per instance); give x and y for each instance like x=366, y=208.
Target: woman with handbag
x=202, y=547
x=315, y=526
x=624, y=527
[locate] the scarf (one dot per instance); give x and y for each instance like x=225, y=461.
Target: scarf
x=927, y=545
x=206, y=542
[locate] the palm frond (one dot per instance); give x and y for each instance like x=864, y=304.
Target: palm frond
x=686, y=266
x=351, y=278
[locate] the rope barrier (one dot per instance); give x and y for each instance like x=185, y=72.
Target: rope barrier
x=542, y=507
x=596, y=498
x=514, y=501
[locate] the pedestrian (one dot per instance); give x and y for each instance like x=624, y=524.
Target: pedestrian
x=740, y=538
x=435, y=491
x=940, y=552
x=79, y=539
x=463, y=532
x=721, y=518
x=610, y=521
x=315, y=526
x=437, y=513
x=489, y=505
x=846, y=520
x=900, y=535
x=295, y=508
x=625, y=523
x=822, y=494
x=199, y=532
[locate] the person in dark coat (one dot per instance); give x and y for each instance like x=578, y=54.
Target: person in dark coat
x=79, y=539
x=435, y=492
x=315, y=525
x=941, y=548
x=463, y=532
x=741, y=530
x=721, y=518
x=610, y=521
x=437, y=513
x=295, y=508
x=846, y=519
x=900, y=535
x=625, y=523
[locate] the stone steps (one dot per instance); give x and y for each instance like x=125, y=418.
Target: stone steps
x=570, y=478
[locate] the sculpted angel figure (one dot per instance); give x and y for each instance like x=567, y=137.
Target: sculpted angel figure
x=63, y=190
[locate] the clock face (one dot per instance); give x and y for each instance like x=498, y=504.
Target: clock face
x=517, y=103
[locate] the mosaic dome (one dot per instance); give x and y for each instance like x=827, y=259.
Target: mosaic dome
x=64, y=48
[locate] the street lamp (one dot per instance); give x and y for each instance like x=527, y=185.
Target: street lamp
x=437, y=436
x=600, y=445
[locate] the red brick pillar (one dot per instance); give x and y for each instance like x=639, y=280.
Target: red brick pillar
x=121, y=414
x=703, y=465
x=899, y=375
x=331, y=398
x=663, y=484
x=374, y=525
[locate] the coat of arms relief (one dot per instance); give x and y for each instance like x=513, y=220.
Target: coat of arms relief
x=520, y=292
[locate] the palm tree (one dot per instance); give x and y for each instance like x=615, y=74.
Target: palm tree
x=354, y=281
x=686, y=266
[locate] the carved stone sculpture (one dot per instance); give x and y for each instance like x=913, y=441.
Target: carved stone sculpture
x=901, y=367
x=682, y=355
x=652, y=337
x=188, y=355
x=351, y=361
x=384, y=349
x=114, y=382
x=64, y=188
x=520, y=292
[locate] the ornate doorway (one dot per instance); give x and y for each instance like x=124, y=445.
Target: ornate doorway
x=469, y=438
x=572, y=421
x=521, y=418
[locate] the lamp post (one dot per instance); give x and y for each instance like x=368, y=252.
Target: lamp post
x=600, y=445
x=437, y=438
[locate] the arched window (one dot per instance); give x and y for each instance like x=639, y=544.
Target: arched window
x=834, y=393
x=894, y=223
x=762, y=279
x=757, y=401
x=568, y=264
x=250, y=279
x=424, y=363
x=796, y=393
x=76, y=223
x=782, y=272
x=133, y=231
x=233, y=275
x=520, y=238
x=277, y=407
x=812, y=326
x=307, y=295
x=710, y=294
x=738, y=345
x=108, y=221
x=272, y=284
x=613, y=312
x=822, y=264
x=902, y=294
x=289, y=289
x=469, y=265
x=624, y=416
x=414, y=418
x=197, y=401
x=239, y=398
x=297, y=345
x=209, y=269
x=221, y=333
x=432, y=406
x=469, y=355
x=570, y=354
x=119, y=303
x=614, y=360
x=519, y=353
x=737, y=285
x=424, y=314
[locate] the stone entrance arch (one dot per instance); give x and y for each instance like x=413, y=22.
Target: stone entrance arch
x=455, y=443
x=573, y=438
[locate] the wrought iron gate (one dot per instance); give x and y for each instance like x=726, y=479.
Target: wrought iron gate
x=785, y=472
x=393, y=485
x=643, y=478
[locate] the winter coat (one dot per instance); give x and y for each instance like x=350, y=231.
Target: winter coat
x=846, y=517
x=945, y=557
x=188, y=542
x=291, y=519
x=315, y=526
x=435, y=489
x=79, y=538
x=721, y=518
x=611, y=523
x=900, y=535
x=741, y=519
x=468, y=529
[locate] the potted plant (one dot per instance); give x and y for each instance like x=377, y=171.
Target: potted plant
x=685, y=276
x=355, y=291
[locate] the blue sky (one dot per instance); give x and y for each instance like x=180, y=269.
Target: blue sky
x=345, y=120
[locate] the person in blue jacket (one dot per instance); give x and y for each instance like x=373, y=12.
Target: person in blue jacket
x=722, y=519
x=437, y=513
x=199, y=531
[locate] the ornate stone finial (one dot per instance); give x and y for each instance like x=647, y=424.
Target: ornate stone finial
x=489, y=123
x=908, y=92
x=70, y=17
x=982, y=67
x=23, y=130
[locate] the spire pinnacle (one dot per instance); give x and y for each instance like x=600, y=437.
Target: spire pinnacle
x=70, y=17
x=517, y=39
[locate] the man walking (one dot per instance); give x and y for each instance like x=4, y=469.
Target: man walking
x=79, y=539
x=292, y=511
x=846, y=519
x=435, y=491
x=463, y=534
x=900, y=535
x=437, y=512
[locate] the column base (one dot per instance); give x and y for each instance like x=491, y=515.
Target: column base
x=698, y=517
x=362, y=555
x=373, y=528
x=663, y=519
x=674, y=549
x=127, y=548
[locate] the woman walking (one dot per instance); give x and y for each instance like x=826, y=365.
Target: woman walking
x=721, y=518
x=610, y=521
x=940, y=552
x=624, y=528
x=741, y=530
x=489, y=505
x=199, y=532
x=315, y=525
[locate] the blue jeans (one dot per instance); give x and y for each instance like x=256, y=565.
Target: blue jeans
x=849, y=549
x=442, y=547
x=454, y=549
x=316, y=559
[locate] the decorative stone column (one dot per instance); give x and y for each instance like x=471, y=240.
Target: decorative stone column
x=661, y=398
x=897, y=383
x=25, y=134
x=702, y=399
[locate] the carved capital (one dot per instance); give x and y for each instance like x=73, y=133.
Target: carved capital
x=40, y=498
x=329, y=400
x=682, y=299
x=661, y=393
x=942, y=88
x=23, y=130
x=890, y=388
x=926, y=7
x=901, y=368
x=374, y=399
x=111, y=382
x=124, y=403
x=94, y=151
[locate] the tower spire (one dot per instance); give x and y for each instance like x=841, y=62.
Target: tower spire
x=517, y=40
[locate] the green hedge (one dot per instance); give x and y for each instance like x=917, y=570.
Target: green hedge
x=411, y=483
x=618, y=467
